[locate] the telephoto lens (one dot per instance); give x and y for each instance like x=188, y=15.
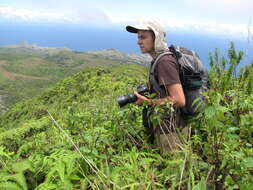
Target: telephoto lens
x=124, y=100
x=131, y=98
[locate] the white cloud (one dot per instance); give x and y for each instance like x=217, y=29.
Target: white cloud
x=237, y=30
x=33, y=15
x=87, y=15
x=239, y=6
x=91, y=15
x=228, y=11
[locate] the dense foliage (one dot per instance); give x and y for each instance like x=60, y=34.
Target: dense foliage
x=74, y=135
x=28, y=70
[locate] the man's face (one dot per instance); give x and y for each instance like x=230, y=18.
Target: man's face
x=146, y=41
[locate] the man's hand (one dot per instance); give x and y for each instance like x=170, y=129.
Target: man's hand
x=140, y=99
x=176, y=97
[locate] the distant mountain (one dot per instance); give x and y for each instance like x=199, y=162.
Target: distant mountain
x=27, y=69
x=85, y=39
x=31, y=49
x=123, y=58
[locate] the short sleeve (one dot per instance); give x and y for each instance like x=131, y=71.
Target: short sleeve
x=168, y=71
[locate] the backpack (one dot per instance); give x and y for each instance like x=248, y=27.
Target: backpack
x=193, y=76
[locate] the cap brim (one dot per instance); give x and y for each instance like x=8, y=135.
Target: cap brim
x=135, y=29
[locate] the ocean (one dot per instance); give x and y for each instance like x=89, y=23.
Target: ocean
x=87, y=39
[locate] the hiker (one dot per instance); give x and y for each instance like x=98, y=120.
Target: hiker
x=151, y=40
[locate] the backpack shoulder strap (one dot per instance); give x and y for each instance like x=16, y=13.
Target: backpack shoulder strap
x=157, y=59
x=155, y=83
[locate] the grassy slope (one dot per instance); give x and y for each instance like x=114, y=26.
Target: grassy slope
x=80, y=89
x=35, y=68
x=84, y=105
x=36, y=153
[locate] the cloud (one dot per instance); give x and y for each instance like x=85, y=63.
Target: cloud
x=91, y=16
x=239, y=30
x=88, y=16
x=230, y=11
x=236, y=30
x=33, y=15
x=239, y=6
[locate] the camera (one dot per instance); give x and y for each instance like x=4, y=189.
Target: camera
x=130, y=98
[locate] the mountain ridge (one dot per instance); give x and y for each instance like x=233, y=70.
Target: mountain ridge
x=32, y=68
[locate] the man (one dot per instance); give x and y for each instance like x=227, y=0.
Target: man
x=151, y=40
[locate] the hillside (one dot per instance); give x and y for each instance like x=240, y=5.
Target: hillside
x=122, y=58
x=82, y=104
x=28, y=69
x=74, y=135
x=31, y=49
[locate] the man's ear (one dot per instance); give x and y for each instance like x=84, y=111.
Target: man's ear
x=153, y=35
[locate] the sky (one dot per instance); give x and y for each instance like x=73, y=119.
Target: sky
x=223, y=17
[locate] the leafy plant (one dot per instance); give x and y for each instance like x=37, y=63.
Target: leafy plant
x=74, y=136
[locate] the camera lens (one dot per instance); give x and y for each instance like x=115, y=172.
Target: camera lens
x=124, y=100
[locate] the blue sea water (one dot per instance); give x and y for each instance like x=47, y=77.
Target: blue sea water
x=87, y=39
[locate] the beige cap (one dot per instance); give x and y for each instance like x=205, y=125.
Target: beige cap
x=135, y=28
x=159, y=31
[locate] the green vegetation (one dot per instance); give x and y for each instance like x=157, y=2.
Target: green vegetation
x=26, y=70
x=74, y=136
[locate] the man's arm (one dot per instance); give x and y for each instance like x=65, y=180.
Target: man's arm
x=175, y=95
